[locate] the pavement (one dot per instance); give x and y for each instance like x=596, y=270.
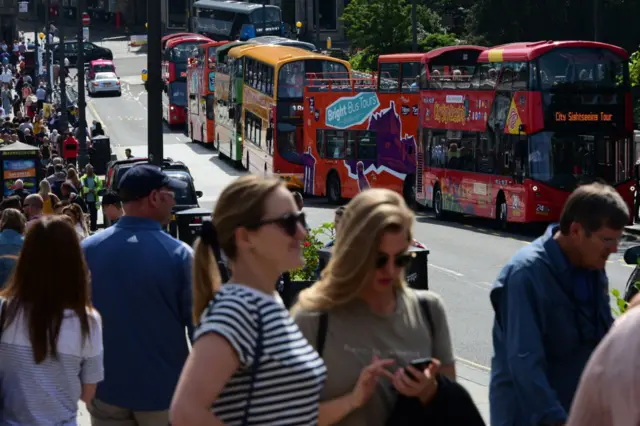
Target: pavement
x=466, y=254
x=633, y=229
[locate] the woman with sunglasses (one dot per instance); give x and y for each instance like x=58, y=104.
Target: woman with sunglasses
x=250, y=364
x=368, y=313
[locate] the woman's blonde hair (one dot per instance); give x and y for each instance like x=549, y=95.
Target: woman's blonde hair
x=241, y=204
x=45, y=188
x=352, y=266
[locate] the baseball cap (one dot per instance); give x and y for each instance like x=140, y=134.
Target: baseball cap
x=140, y=180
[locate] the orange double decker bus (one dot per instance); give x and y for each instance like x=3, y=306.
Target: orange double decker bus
x=362, y=132
x=533, y=122
x=201, y=84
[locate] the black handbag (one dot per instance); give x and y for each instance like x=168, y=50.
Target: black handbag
x=451, y=406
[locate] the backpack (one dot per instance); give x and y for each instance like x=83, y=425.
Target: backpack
x=56, y=188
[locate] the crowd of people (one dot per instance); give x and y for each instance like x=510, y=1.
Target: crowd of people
x=113, y=325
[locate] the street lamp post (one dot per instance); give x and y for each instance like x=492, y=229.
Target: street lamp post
x=316, y=8
x=83, y=154
x=264, y=17
x=298, y=28
x=64, y=119
x=154, y=81
x=47, y=47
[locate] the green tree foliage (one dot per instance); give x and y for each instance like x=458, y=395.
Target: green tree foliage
x=634, y=68
x=503, y=21
x=378, y=27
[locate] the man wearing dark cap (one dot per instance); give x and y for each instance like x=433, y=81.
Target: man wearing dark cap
x=112, y=207
x=141, y=285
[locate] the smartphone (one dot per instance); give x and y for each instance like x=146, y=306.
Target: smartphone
x=419, y=364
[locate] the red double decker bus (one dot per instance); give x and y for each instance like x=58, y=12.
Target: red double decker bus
x=201, y=84
x=533, y=122
x=176, y=55
x=361, y=131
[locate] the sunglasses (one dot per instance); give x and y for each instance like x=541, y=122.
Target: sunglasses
x=399, y=261
x=289, y=223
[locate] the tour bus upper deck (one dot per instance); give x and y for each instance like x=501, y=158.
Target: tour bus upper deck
x=399, y=70
x=449, y=67
x=293, y=67
x=556, y=66
x=168, y=37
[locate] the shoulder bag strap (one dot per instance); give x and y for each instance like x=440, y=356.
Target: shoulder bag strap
x=323, y=326
x=426, y=311
x=254, y=368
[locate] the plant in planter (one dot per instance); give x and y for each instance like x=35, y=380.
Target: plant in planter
x=621, y=305
x=311, y=251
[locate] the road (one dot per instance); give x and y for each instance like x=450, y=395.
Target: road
x=466, y=253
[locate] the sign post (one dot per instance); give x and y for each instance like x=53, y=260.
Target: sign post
x=86, y=21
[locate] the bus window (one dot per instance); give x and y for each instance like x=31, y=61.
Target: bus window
x=269, y=80
x=210, y=102
x=269, y=15
x=351, y=145
x=335, y=144
x=286, y=143
x=389, y=77
x=320, y=146
x=521, y=75
x=367, y=147
x=291, y=80
x=583, y=67
x=411, y=76
x=485, y=76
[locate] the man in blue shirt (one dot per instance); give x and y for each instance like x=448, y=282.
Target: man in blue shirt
x=552, y=309
x=12, y=226
x=141, y=285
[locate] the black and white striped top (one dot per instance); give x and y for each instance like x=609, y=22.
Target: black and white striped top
x=290, y=373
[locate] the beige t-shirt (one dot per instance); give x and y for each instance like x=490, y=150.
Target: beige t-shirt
x=355, y=334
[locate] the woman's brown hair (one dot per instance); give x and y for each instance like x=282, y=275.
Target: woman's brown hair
x=72, y=176
x=240, y=204
x=43, y=293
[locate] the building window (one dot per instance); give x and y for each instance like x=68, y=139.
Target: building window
x=328, y=14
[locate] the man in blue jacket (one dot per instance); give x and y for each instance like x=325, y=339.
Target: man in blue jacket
x=141, y=285
x=552, y=309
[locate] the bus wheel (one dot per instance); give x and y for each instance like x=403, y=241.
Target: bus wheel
x=409, y=191
x=501, y=212
x=334, y=192
x=246, y=163
x=437, y=203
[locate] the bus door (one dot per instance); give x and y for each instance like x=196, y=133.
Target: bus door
x=235, y=99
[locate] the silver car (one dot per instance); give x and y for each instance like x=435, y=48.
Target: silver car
x=105, y=82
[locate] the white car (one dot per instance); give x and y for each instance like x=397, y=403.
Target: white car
x=105, y=82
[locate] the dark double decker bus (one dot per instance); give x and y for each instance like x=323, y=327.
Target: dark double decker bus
x=534, y=121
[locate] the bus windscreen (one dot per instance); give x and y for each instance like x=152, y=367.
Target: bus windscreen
x=581, y=68
x=291, y=78
x=270, y=15
x=178, y=93
x=183, y=51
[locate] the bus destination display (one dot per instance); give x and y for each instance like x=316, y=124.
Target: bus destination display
x=584, y=117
